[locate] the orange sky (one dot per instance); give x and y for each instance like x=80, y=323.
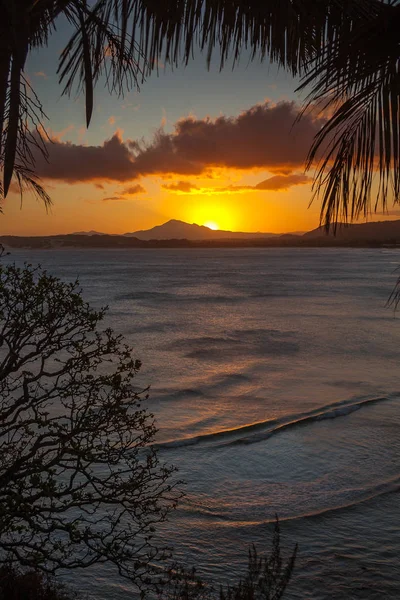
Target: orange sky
x=83, y=207
x=196, y=145
x=242, y=172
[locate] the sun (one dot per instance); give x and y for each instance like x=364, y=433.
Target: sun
x=211, y=225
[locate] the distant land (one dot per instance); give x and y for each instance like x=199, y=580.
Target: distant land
x=179, y=230
x=175, y=229
x=178, y=234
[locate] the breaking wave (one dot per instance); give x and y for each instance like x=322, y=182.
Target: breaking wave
x=262, y=430
x=364, y=495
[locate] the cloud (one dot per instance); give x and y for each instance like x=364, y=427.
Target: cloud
x=275, y=183
x=14, y=188
x=111, y=120
x=262, y=137
x=56, y=136
x=181, y=186
x=40, y=74
x=282, y=182
x=133, y=189
x=113, y=161
x=163, y=118
x=129, y=191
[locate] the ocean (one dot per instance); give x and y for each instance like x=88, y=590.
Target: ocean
x=275, y=384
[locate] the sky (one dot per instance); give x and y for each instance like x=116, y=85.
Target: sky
x=194, y=144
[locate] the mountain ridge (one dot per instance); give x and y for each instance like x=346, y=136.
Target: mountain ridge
x=377, y=230
x=176, y=229
x=372, y=234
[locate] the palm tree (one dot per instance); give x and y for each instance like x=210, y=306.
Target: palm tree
x=345, y=51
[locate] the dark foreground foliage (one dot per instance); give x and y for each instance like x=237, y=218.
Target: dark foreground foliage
x=31, y=585
x=80, y=482
x=266, y=578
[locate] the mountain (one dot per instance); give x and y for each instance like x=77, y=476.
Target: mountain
x=177, y=234
x=91, y=232
x=377, y=231
x=179, y=230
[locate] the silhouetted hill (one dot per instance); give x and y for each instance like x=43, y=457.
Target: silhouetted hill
x=91, y=232
x=378, y=231
x=178, y=230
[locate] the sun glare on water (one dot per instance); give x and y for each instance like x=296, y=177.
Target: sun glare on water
x=211, y=225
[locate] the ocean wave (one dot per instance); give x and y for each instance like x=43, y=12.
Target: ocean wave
x=152, y=296
x=210, y=437
x=365, y=495
x=248, y=342
x=262, y=430
x=184, y=393
x=389, y=486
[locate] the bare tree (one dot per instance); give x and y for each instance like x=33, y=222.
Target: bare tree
x=79, y=480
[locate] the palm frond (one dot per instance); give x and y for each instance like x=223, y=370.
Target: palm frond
x=357, y=79
x=87, y=66
x=23, y=131
x=289, y=32
x=14, y=117
x=27, y=181
x=20, y=109
x=99, y=47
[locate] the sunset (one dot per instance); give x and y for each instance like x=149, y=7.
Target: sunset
x=233, y=156
x=117, y=181
x=211, y=225
x=199, y=297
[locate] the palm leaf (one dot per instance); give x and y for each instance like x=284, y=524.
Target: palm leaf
x=357, y=79
x=87, y=67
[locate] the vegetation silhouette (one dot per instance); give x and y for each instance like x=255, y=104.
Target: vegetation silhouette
x=266, y=578
x=344, y=51
x=80, y=482
x=17, y=584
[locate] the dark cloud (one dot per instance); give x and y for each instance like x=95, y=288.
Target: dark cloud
x=261, y=137
x=180, y=186
x=275, y=183
x=73, y=163
x=133, y=189
x=14, y=188
x=282, y=182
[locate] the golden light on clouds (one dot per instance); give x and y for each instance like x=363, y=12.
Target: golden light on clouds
x=240, y=173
